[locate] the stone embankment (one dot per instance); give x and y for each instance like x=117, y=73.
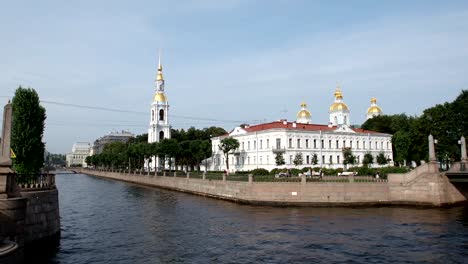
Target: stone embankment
x=422, y=186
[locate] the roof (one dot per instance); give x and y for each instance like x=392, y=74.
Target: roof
x=298, y=127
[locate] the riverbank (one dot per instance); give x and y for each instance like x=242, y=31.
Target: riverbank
x=420, y=187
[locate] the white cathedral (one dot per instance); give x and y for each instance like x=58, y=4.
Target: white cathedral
x=159, y=127
x=319, y=145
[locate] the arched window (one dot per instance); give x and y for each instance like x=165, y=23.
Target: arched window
x=336, y=120
x=161, y=135
x=161, y=115
x=152, y=115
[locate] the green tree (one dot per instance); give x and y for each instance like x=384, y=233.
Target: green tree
x=169, y=148
x=314, y=159
x=381, y=159
x=401, y=141
x=228, y=144
x=279, y=159
x=368, y=159
x=298, y=159
x=27, y=130
x=348, y=157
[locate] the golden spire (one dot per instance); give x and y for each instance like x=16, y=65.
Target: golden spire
x=160, y=74
x=373, y=100
x=303, y=105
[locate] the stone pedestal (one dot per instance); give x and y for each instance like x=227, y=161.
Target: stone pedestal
x=432, y=155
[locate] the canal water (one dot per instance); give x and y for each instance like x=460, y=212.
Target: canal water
x=106, y=221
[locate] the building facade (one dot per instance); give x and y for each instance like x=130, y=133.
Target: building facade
x=99, y=144
x=159, y=127
x=318, y=145
x=77, y=157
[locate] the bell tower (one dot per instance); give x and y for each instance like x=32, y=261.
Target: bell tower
x=159, y=127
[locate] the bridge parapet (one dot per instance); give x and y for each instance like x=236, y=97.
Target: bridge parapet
x=405, y=178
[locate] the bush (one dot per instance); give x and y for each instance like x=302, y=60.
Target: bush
x=259, y=171
x=276, y=171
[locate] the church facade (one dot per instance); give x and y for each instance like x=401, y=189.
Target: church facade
x=316, y=145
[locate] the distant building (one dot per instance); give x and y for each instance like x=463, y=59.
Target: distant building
x=123, y=136
x=317, y=145
x=77, y=157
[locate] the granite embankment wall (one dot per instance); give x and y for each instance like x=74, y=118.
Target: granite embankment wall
x=425, y=189
x=42, y=221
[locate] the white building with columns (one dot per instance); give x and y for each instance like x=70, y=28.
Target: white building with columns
x=319, y=144
x=159, y=127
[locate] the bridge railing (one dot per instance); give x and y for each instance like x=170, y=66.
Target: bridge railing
x=33, y=182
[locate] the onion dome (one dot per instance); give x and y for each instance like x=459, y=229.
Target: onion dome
x=160, y=97
x=304, y=116
x=338, y=105
x=159, y=77
x=374, y=109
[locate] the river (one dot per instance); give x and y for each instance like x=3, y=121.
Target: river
x=105, y=221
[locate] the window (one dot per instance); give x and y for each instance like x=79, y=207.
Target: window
x=381, y=145
x=242, y=160
x=290, y=143
x=161, y=135
x=255, y=144
x=268, y=144
x=331, y=159
x=268, y=160
x=322, y=144
x=248, y=145
x=376, y=146
x=261, y=144
x=358, y=159
x=351, y=144
x=298, y=143
x=248, y=160
x=278, y=143
x=344, y=143
x=323, y=159
x=307, y=159
x=387, y=145
x=315, y=143
x=329, y=144
x=357, y=144
x=161, y=115
x=260, y=160
x=290, y=159
x=338, y=159
x=242, y=145
x=307, y=143
x=337, y=145
x=152, y=115
x=364, y=145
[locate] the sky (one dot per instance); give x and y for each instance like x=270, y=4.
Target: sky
x=227, y=62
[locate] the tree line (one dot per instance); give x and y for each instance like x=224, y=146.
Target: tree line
x=446, y=122
x=187, y=148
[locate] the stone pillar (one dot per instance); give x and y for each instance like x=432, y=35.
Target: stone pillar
x=303, y=178
x=463, y=149
x=204, y=176
x=188, y=175
x=432, y=155
x=224, y=176
x=250, y=178
x=6, y=176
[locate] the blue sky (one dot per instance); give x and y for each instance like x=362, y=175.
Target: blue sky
x=230, y=60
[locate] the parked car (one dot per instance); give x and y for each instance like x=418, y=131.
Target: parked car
x=281, y=175
x=347, y=173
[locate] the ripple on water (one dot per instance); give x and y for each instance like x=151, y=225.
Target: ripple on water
x=113, y=222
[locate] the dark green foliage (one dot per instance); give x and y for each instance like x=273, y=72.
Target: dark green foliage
x=381, y=159
x=314, y=159
x=348, y=157
x=259, y=172
x=27, y=131
x=298, y=159
x=368, y=159
x=228, y=144
x=279, y=159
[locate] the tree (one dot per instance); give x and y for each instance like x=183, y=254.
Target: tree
x=348, y=157
x=314, y=159
x=298, y=159
x=401, y=140
x=368, y=159
x=381, y=159
x=27, y=130
x=169, y=148
x=279, y=159
x=227, y=144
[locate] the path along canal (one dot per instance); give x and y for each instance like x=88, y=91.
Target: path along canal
x=105, y=221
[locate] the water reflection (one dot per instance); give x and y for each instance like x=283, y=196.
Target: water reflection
x=113, y=222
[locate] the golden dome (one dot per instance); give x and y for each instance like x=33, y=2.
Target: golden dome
x=160, y=97
x=338, y=106
x=374, y=110
x=373, y=100
x=303, y=113
x=338, y=94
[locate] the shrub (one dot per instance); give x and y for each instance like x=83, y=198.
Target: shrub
x=259, y=171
